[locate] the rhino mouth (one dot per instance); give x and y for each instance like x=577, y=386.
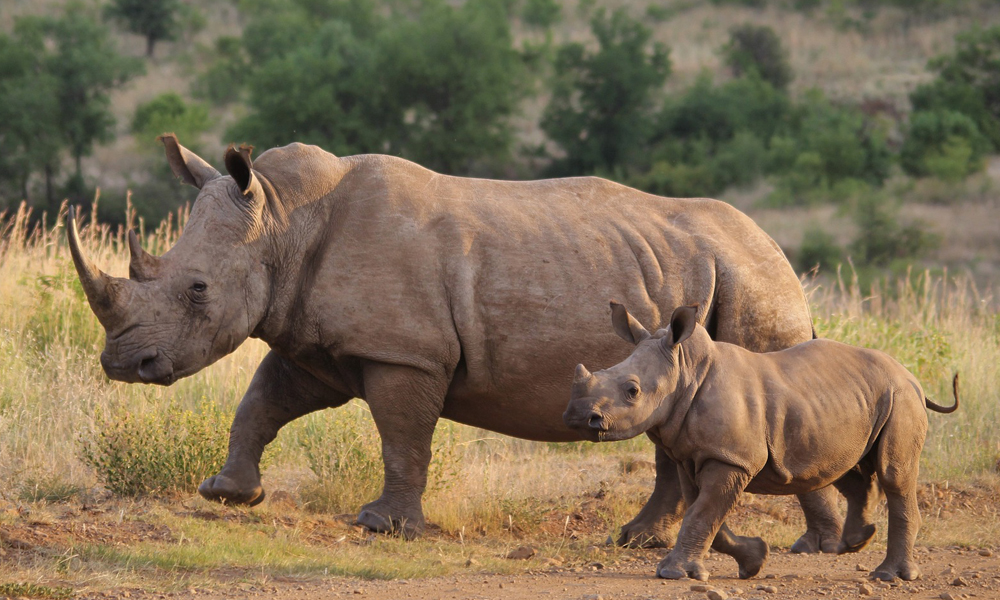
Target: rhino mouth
x=148, y=366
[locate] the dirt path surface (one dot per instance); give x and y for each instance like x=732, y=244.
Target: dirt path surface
x=948, y=574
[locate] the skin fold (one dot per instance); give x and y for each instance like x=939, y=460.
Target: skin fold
x=430, y=296
x=735, y=421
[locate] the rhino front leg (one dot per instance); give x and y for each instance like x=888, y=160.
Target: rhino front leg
x=651, y=527
x=405, y=404
x=279, y=393
x=823, y=524
x=711, y=497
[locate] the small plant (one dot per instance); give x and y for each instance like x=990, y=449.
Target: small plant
x=48, y=488
x=30, y=590
x=171, y=450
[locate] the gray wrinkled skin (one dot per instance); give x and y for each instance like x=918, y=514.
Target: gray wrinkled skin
x=736, y=421
x=429, y=296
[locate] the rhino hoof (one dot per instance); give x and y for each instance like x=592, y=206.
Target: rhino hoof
x=374, y=521
x=752, y=562
x=408, y=528
x=856, y=541
x=813, y=543
x=219, y=488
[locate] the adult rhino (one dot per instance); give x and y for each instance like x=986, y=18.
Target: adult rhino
x=430, y=296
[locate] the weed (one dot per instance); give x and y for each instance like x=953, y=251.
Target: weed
x=31, y=590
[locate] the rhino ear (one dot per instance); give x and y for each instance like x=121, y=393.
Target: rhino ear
x=682, y=324
x=626, y=326
x=186, y=164
x=240, y=167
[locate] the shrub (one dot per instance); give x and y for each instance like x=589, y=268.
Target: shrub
x=171, y=450
x=757, y=49
x=819, y=250
x=881, y=238
x=541, y=13
x=169, y=113
x=943, y=143
x=601, y=111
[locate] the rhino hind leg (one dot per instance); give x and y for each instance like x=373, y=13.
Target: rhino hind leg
x=279, y=393
x=896, y=465
x=665, y=507
x=405, y=404
x=823, y=525
x=862, y=493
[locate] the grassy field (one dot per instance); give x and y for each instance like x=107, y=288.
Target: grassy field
x=487, y=493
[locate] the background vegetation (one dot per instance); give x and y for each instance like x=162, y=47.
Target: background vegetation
x=863, y=135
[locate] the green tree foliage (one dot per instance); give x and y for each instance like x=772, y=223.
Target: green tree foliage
x=968, y=82
x=224, y=80
x=756, y=48
x=881, y=238
x=29, y=139
x=944, y=144
x=155, y=19
x=169, y=113
x=601, y=112
x=434, y=82
x=541, y=13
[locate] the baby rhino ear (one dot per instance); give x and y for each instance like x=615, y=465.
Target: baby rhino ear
x=626, y=326
x=682, y=324
x=187, y=165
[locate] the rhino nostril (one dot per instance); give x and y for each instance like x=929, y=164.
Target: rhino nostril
x=596, y=421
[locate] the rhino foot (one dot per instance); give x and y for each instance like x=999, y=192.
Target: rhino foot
x=636, y=536
x=669, y=569
x=854, y=541
x=906, y=570
x=752, y=557
x=377, y=517
x=813, y=542
x=224, y=489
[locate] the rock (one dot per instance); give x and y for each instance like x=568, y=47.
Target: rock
x=986, y=552
x=860, y=568
x=522, y=553
x=597, y=565
x=471, y=563
x=865, y=590
x=767, y=589
x=948, y=596
x=700, y=587
x=593, y=597
x=717, y=595
x=548, y=561
x=359, y=591
x=958, y=581
x=949, y=571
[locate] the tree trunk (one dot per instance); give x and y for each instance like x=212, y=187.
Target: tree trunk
x=150, y=43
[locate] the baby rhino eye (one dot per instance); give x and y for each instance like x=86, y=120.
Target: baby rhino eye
x=631, y=391
x=198, y=287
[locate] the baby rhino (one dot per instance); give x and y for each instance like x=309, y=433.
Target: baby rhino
x=785, y=422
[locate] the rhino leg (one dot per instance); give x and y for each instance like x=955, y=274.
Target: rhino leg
x=897, y=466
x=862, y=493
x=279, y=392
x=714, y=494
x=405, y=404
x=823, y=526
x=651, y=527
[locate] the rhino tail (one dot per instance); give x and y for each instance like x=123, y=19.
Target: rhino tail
x=946, y=409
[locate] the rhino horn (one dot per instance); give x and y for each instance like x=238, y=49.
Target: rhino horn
x=106, y=294
x=582, y=374
x=142, y=266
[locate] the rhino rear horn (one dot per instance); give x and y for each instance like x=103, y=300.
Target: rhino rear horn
x=187, y=165
x=142, y=266
x=105, y=294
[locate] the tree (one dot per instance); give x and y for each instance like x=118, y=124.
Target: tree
x=601, y=109
x=757, y=48
x=154, y=19
x=169, y=113
x=29, y=138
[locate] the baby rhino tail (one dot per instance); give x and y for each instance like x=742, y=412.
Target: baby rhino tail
x=943, y=409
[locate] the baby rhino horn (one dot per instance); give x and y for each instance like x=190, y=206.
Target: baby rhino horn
x=582, y=374
x=583, y=381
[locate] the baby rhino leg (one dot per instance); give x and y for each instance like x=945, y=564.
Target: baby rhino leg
x=862, y=493
x=897, y=465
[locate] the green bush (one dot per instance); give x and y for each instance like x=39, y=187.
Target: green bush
x=881, y=238
x=169, y=113
x=757, y=49
x=541, y=13
x=601, y=110
x=171, y=450
x=944, y=144
x=819, y=250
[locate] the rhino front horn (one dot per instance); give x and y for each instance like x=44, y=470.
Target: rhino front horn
x=582, y=374
x=104, y=293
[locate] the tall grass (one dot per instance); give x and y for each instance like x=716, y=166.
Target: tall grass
x=54, y=396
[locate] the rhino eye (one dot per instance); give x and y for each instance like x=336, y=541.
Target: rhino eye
x=198, y=287
x=631, y=391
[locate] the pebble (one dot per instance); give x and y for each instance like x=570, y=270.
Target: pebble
x=986, y=552
x=522, y=553
x=959, y=582
x=860, y=568
x=767, y=589
x=700, y=587
x=717, y=595
x=948, y=596
x=593, y=597
x=359, y=591
x=865, y=590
